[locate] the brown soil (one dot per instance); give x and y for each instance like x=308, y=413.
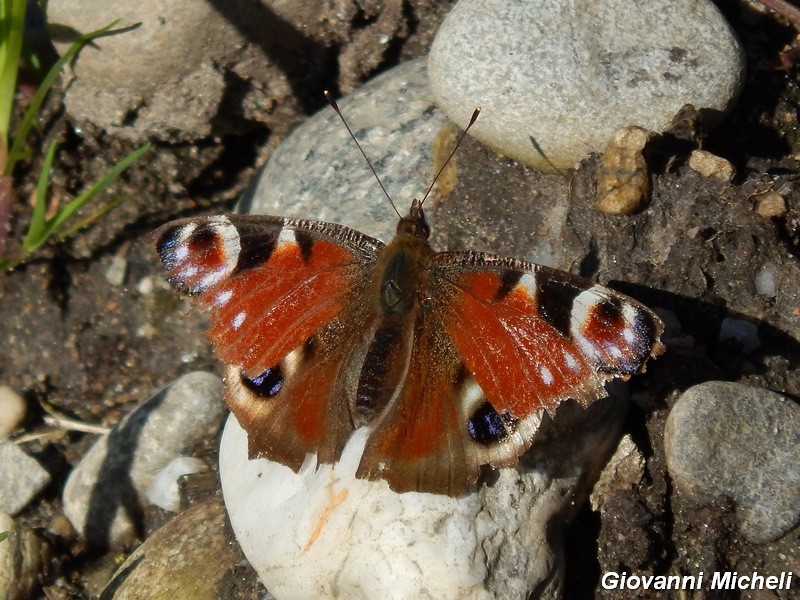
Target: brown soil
x=93, y=350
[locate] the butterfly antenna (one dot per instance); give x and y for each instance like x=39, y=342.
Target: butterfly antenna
x=452, y=154
x=335, y=107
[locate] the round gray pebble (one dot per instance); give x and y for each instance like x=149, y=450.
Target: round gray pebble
x=568, y=74
x=733, y=440
x=318, y=172
x=105, y=493
x=165, y=78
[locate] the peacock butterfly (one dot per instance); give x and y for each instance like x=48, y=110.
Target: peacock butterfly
x=448, y=357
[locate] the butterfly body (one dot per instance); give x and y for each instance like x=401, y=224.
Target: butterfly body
x=449, y=358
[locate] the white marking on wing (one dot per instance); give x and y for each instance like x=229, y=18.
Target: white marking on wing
x=187, y=272
x=630, y=313
x=291, y=362
x=629, y=335
x=287, y=236
x=547, y=375
x=230, y=240
x=223, y=297
x=572, y=362
x=212, y=277
x=581, y=309
x=529, y=282
x=238, y=320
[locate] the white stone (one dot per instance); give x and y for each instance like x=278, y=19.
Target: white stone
x=765, y=281
x=324, y=534
x=117, y=270
x=741, y=332
x=569, y=73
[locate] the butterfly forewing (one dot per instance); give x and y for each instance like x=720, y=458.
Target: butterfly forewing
x=282, y=295
x=270, y=282
x=534, y=336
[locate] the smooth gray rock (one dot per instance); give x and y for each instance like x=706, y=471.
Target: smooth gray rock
x=742, y=442
x=570, y=73
x=105, y=493
x=21, y=478
x=318, y=172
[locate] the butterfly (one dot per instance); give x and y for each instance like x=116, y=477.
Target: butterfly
x=449, y=358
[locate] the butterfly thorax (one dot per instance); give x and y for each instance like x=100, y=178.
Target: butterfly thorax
x=402, y=265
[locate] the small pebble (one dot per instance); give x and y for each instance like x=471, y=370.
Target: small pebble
x=165, y=491
x=765, y=281
x=117, y=270
x=12, y=410
x=24, y=561
x=624, y=470
x=771, y=205
x=741, y=332
x=21, y=478
x=556, y=79
x=711, y=165
x=60, y=526
x=623, y=181
x=742, y=442
x=106, y=490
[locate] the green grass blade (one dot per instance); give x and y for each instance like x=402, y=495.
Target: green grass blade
x=79, y=201
x=12, y=25
x=32, y=112
x=35, y=236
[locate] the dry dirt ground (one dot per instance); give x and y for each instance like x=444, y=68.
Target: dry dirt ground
x=71, y=340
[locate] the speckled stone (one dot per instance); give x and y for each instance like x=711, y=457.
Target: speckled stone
x=318, y=172
x=105, y=493
x=742, y=442
x=21, y=478
x=568, y=74
x=325, y=534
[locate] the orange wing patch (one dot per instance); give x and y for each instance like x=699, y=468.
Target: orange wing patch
x=276, y=307
x=521, y=361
